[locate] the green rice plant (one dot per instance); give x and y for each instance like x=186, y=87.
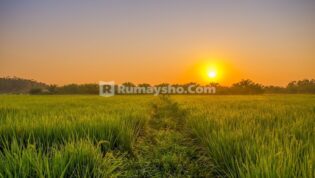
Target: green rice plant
x=256, y=136
x=91, y=136
x=75, y=159
x=45, y=123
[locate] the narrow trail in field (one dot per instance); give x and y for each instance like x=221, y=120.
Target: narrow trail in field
x=165, y=149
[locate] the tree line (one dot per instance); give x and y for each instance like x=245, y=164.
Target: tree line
x=16, y=85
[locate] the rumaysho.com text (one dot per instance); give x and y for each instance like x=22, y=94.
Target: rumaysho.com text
x=110, y=89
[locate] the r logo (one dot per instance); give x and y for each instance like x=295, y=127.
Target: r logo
x=107, y=88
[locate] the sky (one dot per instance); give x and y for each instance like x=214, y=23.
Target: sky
x=149, y=41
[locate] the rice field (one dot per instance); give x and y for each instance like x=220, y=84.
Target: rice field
x=147, y=136
x=256, y=136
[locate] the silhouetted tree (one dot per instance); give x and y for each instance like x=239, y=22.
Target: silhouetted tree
x=52, y=89
x=18, y=85
x=274, y=89
x=247, y=87
x=128, y=84
x=35, y=91
x=221, y=90
x=145, y=85
x=301, y=86
x=214, y=84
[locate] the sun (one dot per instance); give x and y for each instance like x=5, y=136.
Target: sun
x=210, y=70
x=212, y=74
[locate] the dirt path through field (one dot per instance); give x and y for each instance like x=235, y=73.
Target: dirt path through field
x=165, y=149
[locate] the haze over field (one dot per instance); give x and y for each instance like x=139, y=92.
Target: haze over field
x=270, y=42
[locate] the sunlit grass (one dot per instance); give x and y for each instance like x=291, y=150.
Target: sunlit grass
x=91, y=136
x=67, y=136
x=49, y=120
x=256, y=136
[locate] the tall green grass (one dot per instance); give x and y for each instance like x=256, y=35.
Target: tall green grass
x=67, y=136
x=91, y=136
x=256, y=136
x=74, y=159
x=50, y=120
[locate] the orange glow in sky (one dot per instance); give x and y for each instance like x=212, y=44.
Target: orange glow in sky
x=61, y=42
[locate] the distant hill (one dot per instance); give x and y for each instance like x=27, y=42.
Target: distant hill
x=18, y=85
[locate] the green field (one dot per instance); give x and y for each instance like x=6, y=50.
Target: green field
x=147, y=136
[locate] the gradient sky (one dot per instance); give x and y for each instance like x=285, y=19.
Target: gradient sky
x=154, y=41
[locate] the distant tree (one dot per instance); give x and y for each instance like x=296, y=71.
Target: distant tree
x=161, y=87
x=145, y=85
x=301, y=86
x=190, y=86
x=214, y=84
x=247, y=87
x=274, y=89
x=292, y=87
x=68, y=89
x=88, y=89
x=128, y=84
x=36, y=91
x=18, y=85
x=221, y=90
x=52, y=89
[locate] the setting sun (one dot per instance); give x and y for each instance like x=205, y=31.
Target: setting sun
x=212, y=69
x=212, y=74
